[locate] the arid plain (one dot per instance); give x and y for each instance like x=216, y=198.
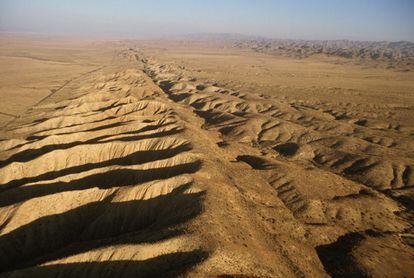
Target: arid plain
x=202, y=159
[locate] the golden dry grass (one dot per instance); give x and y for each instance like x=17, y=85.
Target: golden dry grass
x=195, y=159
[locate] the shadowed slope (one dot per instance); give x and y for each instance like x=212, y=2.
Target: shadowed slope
x=169, y=265
x=27, y=244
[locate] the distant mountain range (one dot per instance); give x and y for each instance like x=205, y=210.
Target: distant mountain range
x=399, y=53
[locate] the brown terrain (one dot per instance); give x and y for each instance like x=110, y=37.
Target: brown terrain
x=198, y=158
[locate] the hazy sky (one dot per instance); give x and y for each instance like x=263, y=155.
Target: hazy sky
x=297, y=19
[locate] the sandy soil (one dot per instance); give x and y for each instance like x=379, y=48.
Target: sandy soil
x=157, y=159
x=33, y=68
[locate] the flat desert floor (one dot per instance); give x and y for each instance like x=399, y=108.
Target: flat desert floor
x=197, y=159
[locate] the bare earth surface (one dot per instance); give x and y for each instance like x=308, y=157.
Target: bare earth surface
x=159, y=159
